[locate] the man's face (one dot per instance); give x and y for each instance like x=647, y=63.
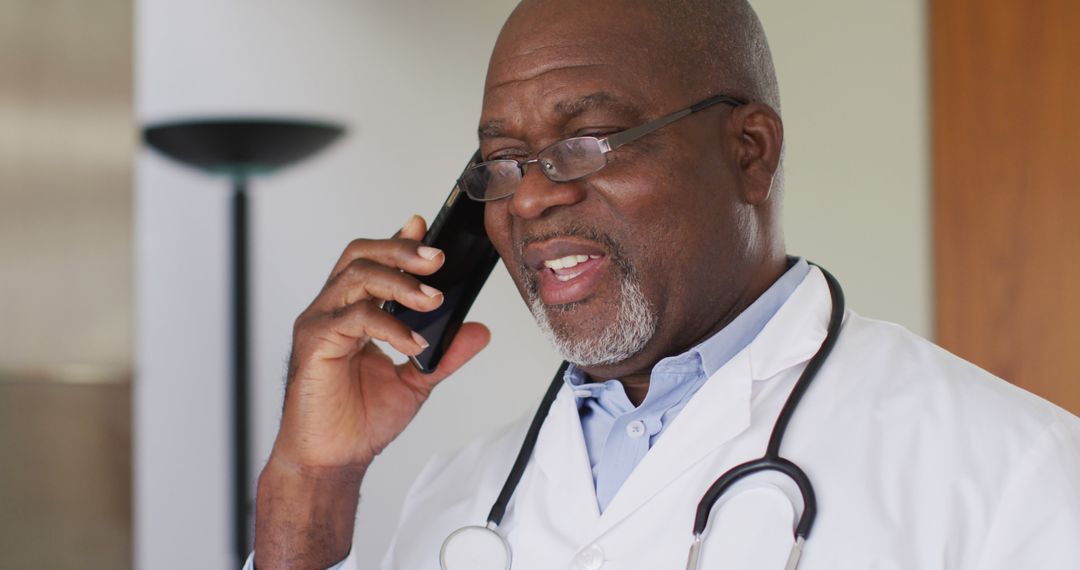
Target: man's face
x=642, y=258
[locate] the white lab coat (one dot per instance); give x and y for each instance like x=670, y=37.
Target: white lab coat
x=919, y=460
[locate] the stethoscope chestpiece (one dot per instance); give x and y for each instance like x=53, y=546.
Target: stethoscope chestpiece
x=475, y=548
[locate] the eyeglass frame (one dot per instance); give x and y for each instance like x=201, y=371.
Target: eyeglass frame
x=606, y=144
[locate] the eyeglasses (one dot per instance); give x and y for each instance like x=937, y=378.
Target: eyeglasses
x=568, y=159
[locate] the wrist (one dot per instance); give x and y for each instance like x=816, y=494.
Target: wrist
x=301, y=468
x=304, y=516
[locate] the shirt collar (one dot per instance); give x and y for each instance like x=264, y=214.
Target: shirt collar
x=712, y=353
x=718, y=349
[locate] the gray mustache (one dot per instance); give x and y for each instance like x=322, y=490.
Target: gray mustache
x=615, y=251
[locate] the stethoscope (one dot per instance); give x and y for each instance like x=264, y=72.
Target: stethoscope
x=483, y=548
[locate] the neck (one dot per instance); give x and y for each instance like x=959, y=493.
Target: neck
x=636, y=386
x=636, y=380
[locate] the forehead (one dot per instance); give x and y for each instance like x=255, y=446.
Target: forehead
x=557, y=54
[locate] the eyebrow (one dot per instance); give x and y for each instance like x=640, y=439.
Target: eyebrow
x=567, y=109
x=491, y=129
x=592, y=101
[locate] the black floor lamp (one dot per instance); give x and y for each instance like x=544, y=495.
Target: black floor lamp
x=240, y=149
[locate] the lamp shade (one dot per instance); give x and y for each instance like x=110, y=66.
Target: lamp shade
x=241, y=147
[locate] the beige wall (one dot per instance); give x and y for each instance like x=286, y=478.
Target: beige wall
x=854, y=80
x=67, y=139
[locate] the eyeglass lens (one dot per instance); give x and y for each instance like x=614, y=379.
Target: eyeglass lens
x=563, y=161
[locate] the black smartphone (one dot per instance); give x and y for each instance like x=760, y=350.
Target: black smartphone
x=458, y=230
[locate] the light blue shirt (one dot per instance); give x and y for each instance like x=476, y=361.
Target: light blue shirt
x=618, y=435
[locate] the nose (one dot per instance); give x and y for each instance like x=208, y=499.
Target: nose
x=537, y=194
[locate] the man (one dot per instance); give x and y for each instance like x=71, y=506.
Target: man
x=660, y=273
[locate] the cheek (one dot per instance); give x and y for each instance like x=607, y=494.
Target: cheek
x=641, y=218
x=673, y=220
x=497, y=225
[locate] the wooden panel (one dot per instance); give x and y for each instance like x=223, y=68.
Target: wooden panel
x=67, y=145
x=65, y=483
x=1006, y=155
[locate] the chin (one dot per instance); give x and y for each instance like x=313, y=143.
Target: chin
x=591, y=341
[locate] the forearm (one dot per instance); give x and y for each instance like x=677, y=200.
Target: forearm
x=304, y=517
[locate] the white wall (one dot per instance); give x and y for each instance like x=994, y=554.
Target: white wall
x=407, y=77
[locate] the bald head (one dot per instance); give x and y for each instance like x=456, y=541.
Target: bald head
x=726, y=41
x=707, y=46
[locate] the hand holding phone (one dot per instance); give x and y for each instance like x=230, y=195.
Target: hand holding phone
x=346, y=401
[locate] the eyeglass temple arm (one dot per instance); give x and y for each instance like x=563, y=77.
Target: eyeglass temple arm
x=622, y=137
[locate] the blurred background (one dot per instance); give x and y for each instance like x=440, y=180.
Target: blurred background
x=929, y=166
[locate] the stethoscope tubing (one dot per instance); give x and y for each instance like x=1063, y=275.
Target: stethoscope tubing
x=498, y=509
x=771, y=461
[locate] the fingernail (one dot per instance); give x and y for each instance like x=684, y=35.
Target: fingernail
x=428, y=252
x=429, y=290
x=419, y=340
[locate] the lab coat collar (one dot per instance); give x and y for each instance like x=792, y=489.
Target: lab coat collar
x=721, y=408
x=797, y=330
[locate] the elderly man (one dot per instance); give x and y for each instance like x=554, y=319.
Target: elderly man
x=660, y=274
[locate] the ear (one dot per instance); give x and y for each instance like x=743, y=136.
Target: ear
x=760, y=137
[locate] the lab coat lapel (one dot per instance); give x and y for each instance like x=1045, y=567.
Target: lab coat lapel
x=722, y=408
x=796, y=331
x=560, y=453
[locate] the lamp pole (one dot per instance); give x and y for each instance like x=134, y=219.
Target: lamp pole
x=241, y=374
x=240, y=148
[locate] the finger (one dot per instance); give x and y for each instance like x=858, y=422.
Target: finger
x=339, y=332
x=414, y=228
x=470, y=340
x=364, y=279
x=400, y=253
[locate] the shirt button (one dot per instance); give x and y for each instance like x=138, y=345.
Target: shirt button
x=635, y=429
x=592, y=558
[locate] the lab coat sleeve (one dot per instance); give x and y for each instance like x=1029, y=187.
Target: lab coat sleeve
x=1037, y=520
x=348, y=564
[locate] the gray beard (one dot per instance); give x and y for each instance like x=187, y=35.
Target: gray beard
x=633, y=327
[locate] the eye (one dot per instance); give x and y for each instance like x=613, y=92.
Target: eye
x=596, y=133
x=506, y=155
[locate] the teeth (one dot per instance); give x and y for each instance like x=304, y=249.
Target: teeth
x=568, y=261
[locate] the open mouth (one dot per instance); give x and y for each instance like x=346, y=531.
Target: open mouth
x=570, y=267
x=568, y=270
